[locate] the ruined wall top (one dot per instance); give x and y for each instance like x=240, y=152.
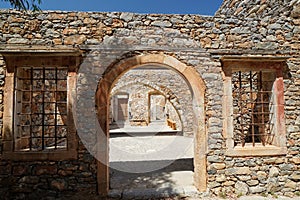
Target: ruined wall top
x=237, y=26
x=259, y=8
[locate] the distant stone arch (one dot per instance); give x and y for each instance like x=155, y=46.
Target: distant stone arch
x=163, y=90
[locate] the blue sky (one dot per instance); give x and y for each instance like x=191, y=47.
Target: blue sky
x=203, y=7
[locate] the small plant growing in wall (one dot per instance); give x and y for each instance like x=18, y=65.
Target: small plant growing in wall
x=222, y=195
x=264, y=194
x=239, y=195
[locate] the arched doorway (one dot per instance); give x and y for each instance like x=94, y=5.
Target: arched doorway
x=197, y=88
x=170, y=100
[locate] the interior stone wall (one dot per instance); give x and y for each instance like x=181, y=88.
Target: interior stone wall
x=166, y=81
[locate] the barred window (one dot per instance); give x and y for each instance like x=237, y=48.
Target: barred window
x=40, y=109
x=253, y=107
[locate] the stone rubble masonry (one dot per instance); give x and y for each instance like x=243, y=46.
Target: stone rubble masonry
x=165, y=81
x=270, y=29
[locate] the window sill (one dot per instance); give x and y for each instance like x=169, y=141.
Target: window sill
x=40, y=156
x=257, y=150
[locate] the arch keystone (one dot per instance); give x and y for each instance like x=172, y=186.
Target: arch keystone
x=151, y=58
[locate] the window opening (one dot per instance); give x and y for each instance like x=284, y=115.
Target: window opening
x=40, y=109
x=253, y=107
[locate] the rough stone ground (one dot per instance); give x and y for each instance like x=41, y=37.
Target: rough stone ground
x=251, y=197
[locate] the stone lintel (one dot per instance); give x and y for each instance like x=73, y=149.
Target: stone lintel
x=251, y=52
x=258, y=150
x=255, y=58
x=141, y=47
x=58, y=155
x=25, y=50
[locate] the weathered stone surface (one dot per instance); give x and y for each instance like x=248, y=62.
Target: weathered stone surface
x=253, y=182
x=238, y=171
x=261, y=175
x=17, y=41
x=241, y=188
x=20, y=170
x=272, y=185
x=296, y=160
x=291, y=184
x=296, y=11
x=59, y=184
x=161, y=23
x=257, y=189
x=218, y=166
x=286, y=167
x=295, y=176
x=70, y=31
x=221, y=178
x=274, y=172
x=75, y=39
x=40, y=170
x=126, y=16
x=214, y=159
x=244, y=178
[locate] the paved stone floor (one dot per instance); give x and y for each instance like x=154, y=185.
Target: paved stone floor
x=150, y=162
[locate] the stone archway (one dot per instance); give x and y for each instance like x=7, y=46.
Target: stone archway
x=197, y=88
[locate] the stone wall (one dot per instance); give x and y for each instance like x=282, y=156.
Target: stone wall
x=167, y=82
x=51, y=179
x=197, y=41
x=2, y=82
x=260, y=8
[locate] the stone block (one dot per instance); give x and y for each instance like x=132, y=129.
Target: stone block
x=261, y=175
x=115, y=194
x=126, y=16
x=244, y=178
x=274, y=172
x=4, y=170
x=253, y=182
x=74, y=39
x=241, y=188
x=59, y=184
x=257, y=189
x=238, y=171
x=161, y=23
x=296, y=11
x=18, y=41
x=29, y=179
x=291, y=184
x=218, y=166
x=46, y=169
x=295, y=160
x=287, y=167
x=221, y=178
x=295, y=176
x=20, y=170
x=228, y=183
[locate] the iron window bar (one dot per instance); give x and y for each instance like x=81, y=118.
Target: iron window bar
x=252, y=108
x=41, y=107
